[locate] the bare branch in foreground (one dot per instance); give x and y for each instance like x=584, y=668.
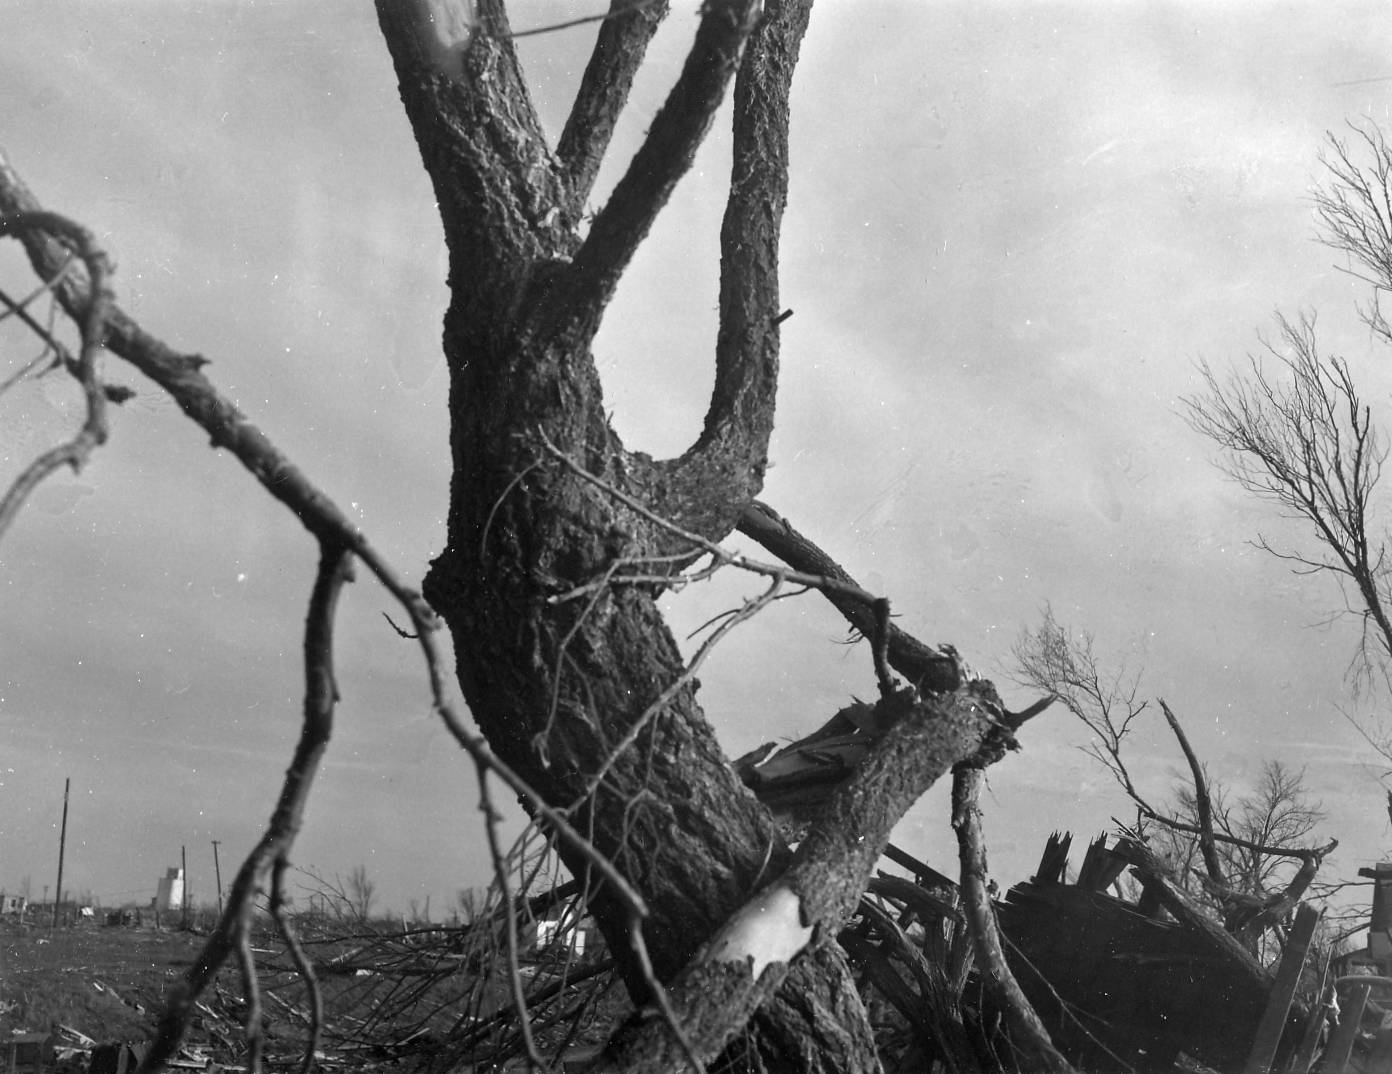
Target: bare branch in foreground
x=500, y=871
x=1026, y=1028
x=180, y=375
x=92, y=321
x=233, y=931
x=276, y=905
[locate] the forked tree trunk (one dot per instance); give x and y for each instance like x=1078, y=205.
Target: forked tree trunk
x=556, y=686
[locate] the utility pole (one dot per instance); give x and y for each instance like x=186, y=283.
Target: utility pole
x=217, y=870
x=62, y=846
x=184, y=892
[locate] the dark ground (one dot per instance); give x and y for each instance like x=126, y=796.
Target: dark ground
x=106, y=983
x=109, y=984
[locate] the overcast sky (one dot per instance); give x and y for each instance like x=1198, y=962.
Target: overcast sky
x=1013, y=231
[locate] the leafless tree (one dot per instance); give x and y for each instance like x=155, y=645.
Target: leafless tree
x=561, y=540
x=1052, y=660
x=1356, y=211
x=1304, y=439
x=469, y=903
x=362, y=890
x=1303, y=436
x=1236, y=850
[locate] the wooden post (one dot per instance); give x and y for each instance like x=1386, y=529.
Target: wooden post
x=217, y=869
x=1273, y=1022
x=1305, y=1054
x=62, y=846
x=1336, y=1054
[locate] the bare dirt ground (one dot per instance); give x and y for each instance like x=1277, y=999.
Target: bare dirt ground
x=110, y=984
x=106, y=983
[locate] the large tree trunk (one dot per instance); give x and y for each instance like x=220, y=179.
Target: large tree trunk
x=556, y=686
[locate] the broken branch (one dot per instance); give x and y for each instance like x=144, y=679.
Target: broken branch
x=1026, y=1028
x=1203, y=807
x=748, y=958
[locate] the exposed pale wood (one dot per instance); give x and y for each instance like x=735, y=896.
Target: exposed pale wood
x=1336, y=1054
x=1273, y=1022
x=1305, y=1053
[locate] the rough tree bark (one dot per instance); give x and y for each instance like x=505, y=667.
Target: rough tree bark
x=556, y=685
x=567, y=666
x=560, y=540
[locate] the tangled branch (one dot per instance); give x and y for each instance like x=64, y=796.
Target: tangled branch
x=89, y=303
x=91, y=318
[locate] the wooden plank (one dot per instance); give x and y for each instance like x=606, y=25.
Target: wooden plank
x=924, y=873
x=1273, y=1022
x=1319, y=1012
x=1336, y=1054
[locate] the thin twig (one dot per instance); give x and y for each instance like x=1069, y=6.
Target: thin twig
x=747, y=611
x=500, y=871
x=553, y=27
x=822, y=582
x=20, y=308
x=251, y=995
x=92, y=322
x=302, y=964
x=321, y=695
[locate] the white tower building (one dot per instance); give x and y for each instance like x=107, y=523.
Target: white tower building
x=171, y=891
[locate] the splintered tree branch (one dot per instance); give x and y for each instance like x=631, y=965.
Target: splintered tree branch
x=26, y=222
x=618, y=53
x=912, y=658
x=1203, y=807
x=665, y=156
x=743, y=964
x=1026, y=1029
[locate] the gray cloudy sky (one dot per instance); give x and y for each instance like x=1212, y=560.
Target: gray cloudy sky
x=1013, y=230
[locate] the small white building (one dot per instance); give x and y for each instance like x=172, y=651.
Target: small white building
x=171, y=891
x=556, y=935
